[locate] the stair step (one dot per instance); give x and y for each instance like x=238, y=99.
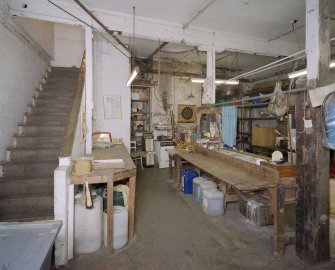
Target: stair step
x=52, y=102
x=26, y=207
x=29, y=169
x=59, y=88
x=36, y=130
x=47, y=110
x=20, y=155
x=54, y=94
x=67, y=70
x=11, y=187
x=50, y=120
x=37, y=142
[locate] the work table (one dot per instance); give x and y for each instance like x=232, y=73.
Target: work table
x=233, y=175
x=109, y=176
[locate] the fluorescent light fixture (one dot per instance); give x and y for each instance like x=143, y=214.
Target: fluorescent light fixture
x=298, y=73
x=133, y=75
x=231, y=82
x=303, y=72
x=196, y=80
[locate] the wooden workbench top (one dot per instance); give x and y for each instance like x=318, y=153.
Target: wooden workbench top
x=239, y=179
x=117, y=151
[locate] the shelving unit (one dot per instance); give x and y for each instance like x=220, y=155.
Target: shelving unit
x=140, y=111
x=246, y=117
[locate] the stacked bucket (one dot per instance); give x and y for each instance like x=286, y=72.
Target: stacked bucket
x=332, y=220
x=204, y=192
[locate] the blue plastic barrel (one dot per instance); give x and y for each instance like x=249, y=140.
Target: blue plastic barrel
x=187, y=176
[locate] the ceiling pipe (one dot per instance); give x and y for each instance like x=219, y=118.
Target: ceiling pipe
x=112, y=34
x=197, y=13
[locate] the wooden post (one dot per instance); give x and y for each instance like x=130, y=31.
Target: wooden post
x=279, y=220
x=312, y=243
x=131, y=206
x=110, y=216
x=178, y=166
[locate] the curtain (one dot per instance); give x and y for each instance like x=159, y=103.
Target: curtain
x=229, y=125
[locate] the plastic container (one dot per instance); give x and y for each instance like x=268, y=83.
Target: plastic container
x=260, y=212
x=120, y=235
x=117, y=199
x=206, y=185
x=196, y=188
x=212, y=202
x=87, y=226
x=332, y=197
x=187, y=176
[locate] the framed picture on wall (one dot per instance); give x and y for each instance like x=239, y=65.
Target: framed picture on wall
x=112, y=107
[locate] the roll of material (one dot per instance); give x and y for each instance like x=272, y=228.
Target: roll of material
x=83, y=166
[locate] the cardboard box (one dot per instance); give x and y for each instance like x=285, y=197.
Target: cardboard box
x=263, y=136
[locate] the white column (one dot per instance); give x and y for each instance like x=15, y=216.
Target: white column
x=211, y=75
x=89, y=87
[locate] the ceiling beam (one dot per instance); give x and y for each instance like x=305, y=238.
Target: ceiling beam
x=153, y=29
x=112, y=34
x=198, y=12
x=158, y=49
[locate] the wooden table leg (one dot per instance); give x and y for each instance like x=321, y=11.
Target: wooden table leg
x=131, y=206
x=178, y=167
x=170, y=165
x=279, y=220
x=110, y=216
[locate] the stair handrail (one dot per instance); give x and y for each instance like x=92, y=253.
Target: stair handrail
x=70, y=130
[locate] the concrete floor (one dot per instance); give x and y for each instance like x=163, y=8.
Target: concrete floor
x=171, y=232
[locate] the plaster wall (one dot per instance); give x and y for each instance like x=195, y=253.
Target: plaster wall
x=41, y=31
x=111, y=72
x=69, y=45
x=21, y=71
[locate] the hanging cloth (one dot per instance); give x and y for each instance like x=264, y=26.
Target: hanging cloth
x=229, y=125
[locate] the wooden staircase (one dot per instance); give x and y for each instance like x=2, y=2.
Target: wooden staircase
x=26, y=182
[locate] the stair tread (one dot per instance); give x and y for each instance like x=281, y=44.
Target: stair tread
x=28, y=219
x=26, y=196
x=29, y=162
x=51, y=218
x=29, y=149
x=23, y=178
x=35, y=125
x=37, y=137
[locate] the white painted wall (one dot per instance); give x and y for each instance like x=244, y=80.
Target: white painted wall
x=69, y=45
x=21, y=70
x=179, y=89
x=111, y=72
x=41, y=31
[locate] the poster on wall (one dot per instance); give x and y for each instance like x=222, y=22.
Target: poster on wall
x=112, y=107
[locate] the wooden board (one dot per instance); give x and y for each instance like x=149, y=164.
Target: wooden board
x=187, y=113
x=239, y=179
x=109, y=164
x=102, y=176
x=284, y=170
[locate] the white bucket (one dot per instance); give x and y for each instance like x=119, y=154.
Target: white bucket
x=87, y=226
x=332, y=237
x=206, y=185
x=212, y=202
x=120, y=235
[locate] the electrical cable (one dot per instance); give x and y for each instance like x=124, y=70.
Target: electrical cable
x=95, y=29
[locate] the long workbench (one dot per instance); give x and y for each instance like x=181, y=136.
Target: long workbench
x=239, y=175
x=110, y=176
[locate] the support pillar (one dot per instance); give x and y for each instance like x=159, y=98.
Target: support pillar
x=211, y=75
x=312, y=227
x=89, y=87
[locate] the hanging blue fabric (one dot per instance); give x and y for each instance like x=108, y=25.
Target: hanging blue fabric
x=229, y=125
